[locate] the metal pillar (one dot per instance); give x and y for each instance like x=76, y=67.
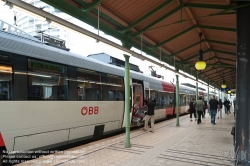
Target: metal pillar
x=177, y=100
x=208, y=96
x=243, y=82
x=196, y=95
x=127, y=101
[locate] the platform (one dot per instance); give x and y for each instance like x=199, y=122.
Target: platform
x=188, y=145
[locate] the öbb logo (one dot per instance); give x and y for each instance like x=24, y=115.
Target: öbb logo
x=89, y=110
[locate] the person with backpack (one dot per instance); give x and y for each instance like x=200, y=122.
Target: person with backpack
x=199, y=105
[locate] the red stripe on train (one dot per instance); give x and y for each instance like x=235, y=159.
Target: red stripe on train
x=1, y=141
x=169, y=111
x=168, y=87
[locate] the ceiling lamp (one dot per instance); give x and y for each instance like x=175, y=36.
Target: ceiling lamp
x=223, y=85
x=200, y=65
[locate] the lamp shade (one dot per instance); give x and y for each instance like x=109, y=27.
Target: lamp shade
x=223, y=85
x=200, y=65
x=229, y=91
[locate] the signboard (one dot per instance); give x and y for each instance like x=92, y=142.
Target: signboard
x=46, y=66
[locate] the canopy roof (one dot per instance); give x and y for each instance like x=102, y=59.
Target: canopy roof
x=169, y=28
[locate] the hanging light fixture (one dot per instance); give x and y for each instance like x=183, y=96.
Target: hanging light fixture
x=223, y=85
x=229, y=89
x=200, y=65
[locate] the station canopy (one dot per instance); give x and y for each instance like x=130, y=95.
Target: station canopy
x=170, y=29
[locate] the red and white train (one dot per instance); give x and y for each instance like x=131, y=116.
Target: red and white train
x=50, y=97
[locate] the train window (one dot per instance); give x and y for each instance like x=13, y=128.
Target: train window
x=115, y=88
x=147, y=93
x=89, y=85
x=5, y=82
x=154, y=97
x=182, y=99
x=47, y=81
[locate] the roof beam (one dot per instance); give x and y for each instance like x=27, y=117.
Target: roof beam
x=207, y=6
x=224, y=52
x=217, y=78
x=204, y=40
x=208, y=50
x=223, y=65
x=220, y=42
x=92, y=5
x=227, y=80
x=225, y=75
x=207, y=71
x=193, y=56
x=156, y=21
x=216, y=28
x=227, y=59
x=173, y=37
x=188, y=5
x=146, y=15
x=191, y=28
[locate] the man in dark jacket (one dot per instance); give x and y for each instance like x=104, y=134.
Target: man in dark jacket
x=150, y=116
x=192, y=109
x=213, y=105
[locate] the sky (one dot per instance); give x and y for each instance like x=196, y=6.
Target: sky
x=84, y=45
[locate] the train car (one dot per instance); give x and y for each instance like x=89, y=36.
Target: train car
x=50, y=97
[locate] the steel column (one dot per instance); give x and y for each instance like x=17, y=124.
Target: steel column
x=243, y=88
x=127, y=101
x=208, y=92
x=177, y=100
x=196, y=94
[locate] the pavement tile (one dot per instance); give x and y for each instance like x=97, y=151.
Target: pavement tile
x=187, y=145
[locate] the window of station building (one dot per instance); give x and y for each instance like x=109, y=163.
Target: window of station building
x=115, y=88
x=47, y=81
x=89, y=85
x=5, y=82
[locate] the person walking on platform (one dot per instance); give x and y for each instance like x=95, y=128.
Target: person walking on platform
x=225, y=106
x=204, y=108
x=228, y=106
x=220, y=110
x=199, y=105
x=150, y=115
x=213, y=105
x=192, y=109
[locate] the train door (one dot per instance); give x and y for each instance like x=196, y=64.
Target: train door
x=137, y=93
x=146, y=90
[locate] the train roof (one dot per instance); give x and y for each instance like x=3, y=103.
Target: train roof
x=35, y=49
